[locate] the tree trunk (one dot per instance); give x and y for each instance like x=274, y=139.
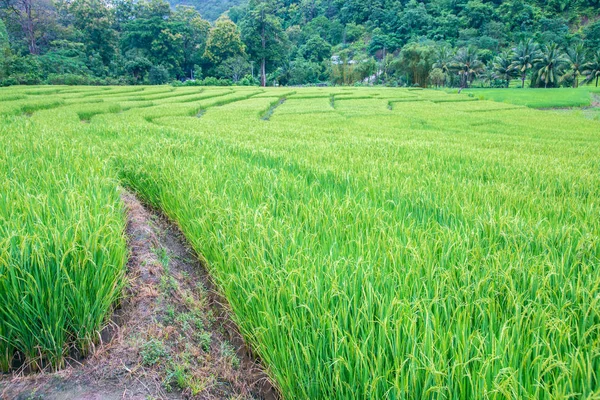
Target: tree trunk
x=30, y=27
x=263, y=62
x=26, y=20
x=523, y=81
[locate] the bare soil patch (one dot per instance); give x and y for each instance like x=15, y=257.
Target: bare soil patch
x=171, y=338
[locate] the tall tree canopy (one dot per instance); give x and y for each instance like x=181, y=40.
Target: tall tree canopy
x=263, y=34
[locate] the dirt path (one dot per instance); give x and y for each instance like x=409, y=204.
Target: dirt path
x=172, y=337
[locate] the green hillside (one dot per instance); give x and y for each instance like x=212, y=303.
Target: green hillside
x=460, y=43
x=209, y=9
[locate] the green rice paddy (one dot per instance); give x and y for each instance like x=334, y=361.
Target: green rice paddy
x=540, y=98
x=372, y=243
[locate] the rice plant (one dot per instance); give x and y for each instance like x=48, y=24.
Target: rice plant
x=403, y=244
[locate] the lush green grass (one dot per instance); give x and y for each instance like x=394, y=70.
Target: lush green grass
x=538, y=98
x=373, y=243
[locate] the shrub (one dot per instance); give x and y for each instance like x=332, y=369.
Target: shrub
x=158, y=75
x=67, y=79
x=248, y=80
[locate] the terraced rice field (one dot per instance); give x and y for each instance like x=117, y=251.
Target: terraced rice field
x=373, y=243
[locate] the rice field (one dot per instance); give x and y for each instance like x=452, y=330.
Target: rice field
x=540, y=98
x=372, y=242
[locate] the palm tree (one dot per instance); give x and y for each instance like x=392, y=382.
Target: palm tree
x=503, y=67
x=488, y=75
x=549, y=66
x=467, y=64
x=576, y=59
x=592, y=69
x=443, y=59
x=525, y=57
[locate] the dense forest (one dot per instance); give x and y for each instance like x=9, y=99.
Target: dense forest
x=209, y=9
x=545, y=43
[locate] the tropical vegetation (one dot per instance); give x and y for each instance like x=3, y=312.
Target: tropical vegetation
x=308, y=42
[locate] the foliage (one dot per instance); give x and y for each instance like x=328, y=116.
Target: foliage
x=4, y=51
x=576, y=59
x=120, y=40
x=158, y=75
x=525, y=57
x=549, y=67
x=437, y=77
x=209, y=9
x=592, y=69
x=223, y=42
x=503, y=67
x=263, y=34
x=234, y=68
x=467, y=64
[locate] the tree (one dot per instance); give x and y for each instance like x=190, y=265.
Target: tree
x=316, y=49
x=137, y=65
x=309, y=9
x=552, y=30
x=167, y=49
x=437, y=77
x=576, y=60
x=210, y=9
x=263, y=34
x=487, y=75
x=151, y=30
x=342, y=68
x=381, y=43
x=234, y=67
x=4, y=51
x=467, y=64
x=95, y=21
x=158, y=75
x=477, y=13
x=525, y=56
x=223, y=42
x=549, y=66
x=301, y=71
x=592, y=35
x=414, y=21
x=366, y=69
x=518, y=15
x=443, y=60
x=353, y=32
x=188, y=23
x=592, y=69
x=416, y=61
x=503, y=68
x=34, y=17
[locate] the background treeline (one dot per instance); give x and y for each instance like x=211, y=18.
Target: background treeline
x=544, y=43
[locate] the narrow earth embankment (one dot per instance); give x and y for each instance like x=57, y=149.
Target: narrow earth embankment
x=171, y=337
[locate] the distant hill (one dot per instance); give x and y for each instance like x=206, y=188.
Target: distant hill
x=210, y=9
